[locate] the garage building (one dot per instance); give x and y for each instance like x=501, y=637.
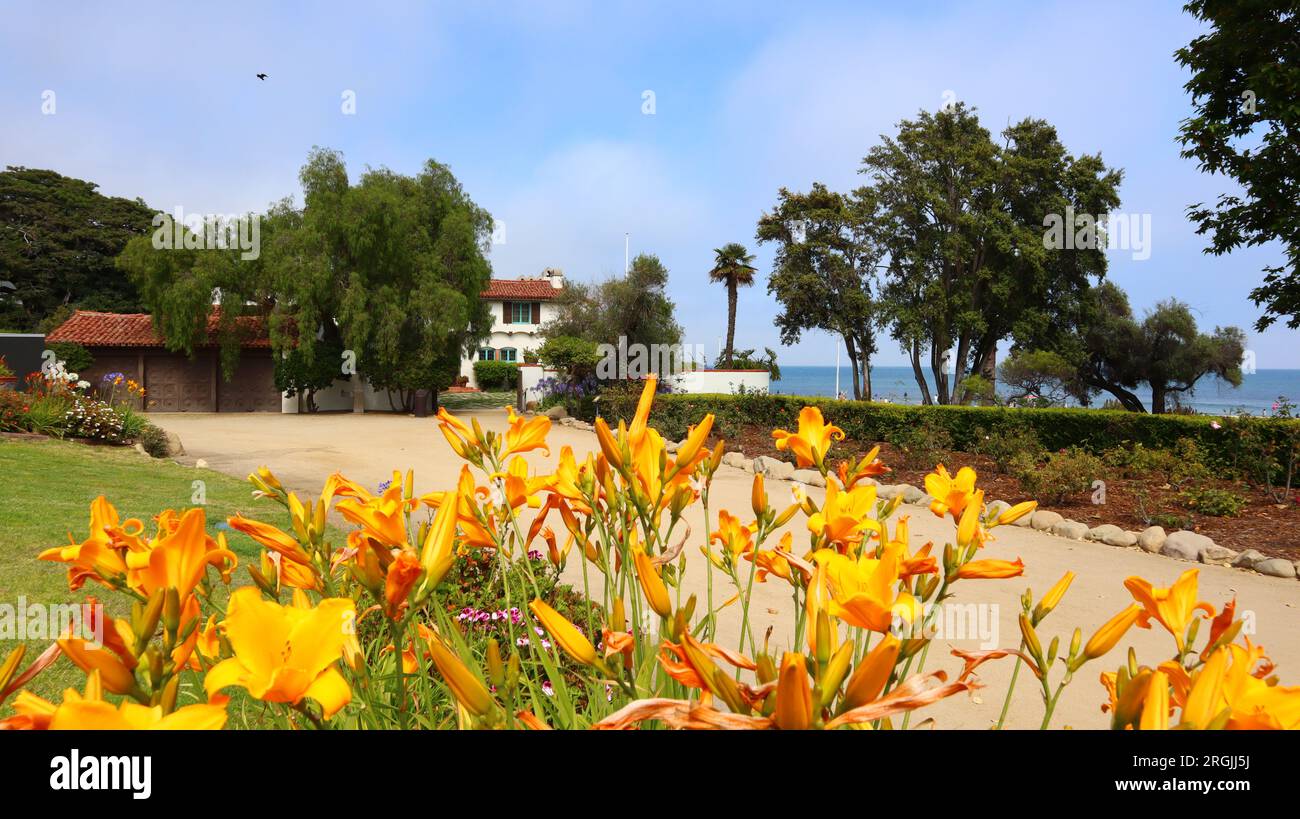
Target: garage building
x=174, y=382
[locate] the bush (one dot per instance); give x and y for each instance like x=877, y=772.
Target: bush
x=93, y=420
x=496, y=375
x=48, y=414
x=154, y=441
x=1056, y=427
x=923, y=445
x=1219, y=503
x=74, y=357
x=1068, y=472
x=1178, y=467
x=1004, y=444
x=13, y=410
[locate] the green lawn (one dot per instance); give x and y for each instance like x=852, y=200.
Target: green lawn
x=475, y=400
x=46, y=487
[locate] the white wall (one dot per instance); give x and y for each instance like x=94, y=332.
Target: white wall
x=721, y=381
x=339, y=397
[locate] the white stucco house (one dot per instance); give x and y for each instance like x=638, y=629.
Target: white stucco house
x=519, y=308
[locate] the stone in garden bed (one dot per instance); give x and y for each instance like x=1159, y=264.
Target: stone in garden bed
x=1045, y=519
x=1248, y=559
x=1112, y=535
x=1276, y=567
x=1218, y=555
x=1152, y=538
x=1072, y=529
x=1185, y=545
x=809, y=476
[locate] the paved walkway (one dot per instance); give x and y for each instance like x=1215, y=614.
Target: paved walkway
x=304, y=449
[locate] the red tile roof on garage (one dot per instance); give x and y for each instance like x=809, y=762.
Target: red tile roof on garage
x=93, y=329
x=520, y=289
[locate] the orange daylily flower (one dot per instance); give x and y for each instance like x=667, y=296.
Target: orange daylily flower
x=402, y=575
x=90, y=712
x=813, y=440
x=525, y=435
x=383, y=518
x=735, y=538
x=1173, y=607
x=1111, y=631
x=97, y=557
x=990, y=569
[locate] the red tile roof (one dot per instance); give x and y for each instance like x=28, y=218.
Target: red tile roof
x=92, y=329
x=520, y=289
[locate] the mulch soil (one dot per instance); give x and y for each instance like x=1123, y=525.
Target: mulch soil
x=1265, y=525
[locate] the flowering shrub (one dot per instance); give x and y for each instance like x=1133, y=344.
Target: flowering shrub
x=375, y=632
x=94, y=420
x=13, y=411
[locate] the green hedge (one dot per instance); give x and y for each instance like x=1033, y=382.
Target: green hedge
x=1057, y=428
x=496, y=375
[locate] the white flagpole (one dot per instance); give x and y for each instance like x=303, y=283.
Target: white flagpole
x=626, y=244
x=837, y=371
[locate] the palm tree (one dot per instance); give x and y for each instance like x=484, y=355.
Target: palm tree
x=732, y=265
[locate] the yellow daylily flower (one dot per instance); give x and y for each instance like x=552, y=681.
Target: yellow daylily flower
x=845, y=516
x=566, y=635
x=951, y=494
x=285, y=653
x=864, y=591
x=656, y=593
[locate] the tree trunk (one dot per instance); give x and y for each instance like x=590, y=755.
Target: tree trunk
x=852, y=350
x=1158, y=394
x=1127, y=399
x=940, y=373
x=866, y=372
x=358, y=393
x=920, y=374
x=731, y=319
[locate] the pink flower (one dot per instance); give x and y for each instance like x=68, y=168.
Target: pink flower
x=1215, y=425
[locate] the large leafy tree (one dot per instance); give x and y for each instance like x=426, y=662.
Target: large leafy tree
x=962, y=218
x=58, y=239
x=1109, y=350
x=733, y=266
x=824, y=269
x=1245, y=126
x=634, y=306
x=389, y=270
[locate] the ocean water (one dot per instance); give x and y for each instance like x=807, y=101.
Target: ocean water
x=1256, y=395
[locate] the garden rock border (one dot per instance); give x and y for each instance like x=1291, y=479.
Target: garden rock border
x=1180, y=544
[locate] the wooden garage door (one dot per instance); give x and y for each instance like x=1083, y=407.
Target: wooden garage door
x=176, y=384
x=251, y=388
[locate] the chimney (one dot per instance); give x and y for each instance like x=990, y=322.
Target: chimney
x=556, y=276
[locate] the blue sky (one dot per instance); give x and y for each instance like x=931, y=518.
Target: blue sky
x=537, y=107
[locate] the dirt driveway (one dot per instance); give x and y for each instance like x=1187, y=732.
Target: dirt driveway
x=304, y=449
